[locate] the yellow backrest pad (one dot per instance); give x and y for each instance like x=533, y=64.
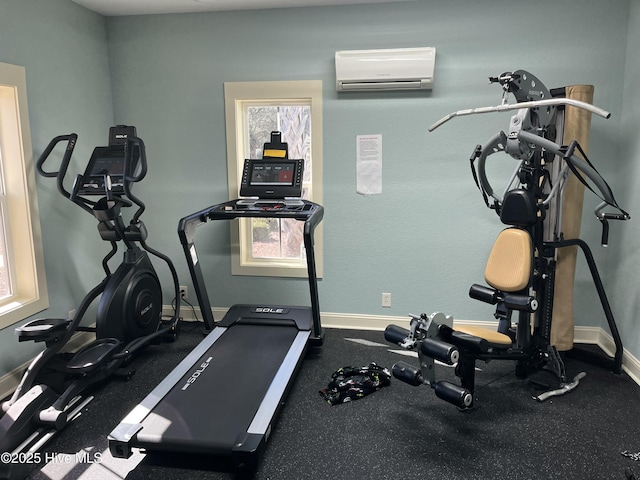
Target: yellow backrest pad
x=509, y=264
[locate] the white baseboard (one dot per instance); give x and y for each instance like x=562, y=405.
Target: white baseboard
x=630, y=364
x=352, y=321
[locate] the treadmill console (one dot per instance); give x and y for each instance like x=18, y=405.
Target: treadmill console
x=268, y=179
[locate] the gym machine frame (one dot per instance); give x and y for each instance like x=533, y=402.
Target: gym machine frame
x=533, y=189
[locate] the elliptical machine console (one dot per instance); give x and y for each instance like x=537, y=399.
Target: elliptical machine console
x=129, y=312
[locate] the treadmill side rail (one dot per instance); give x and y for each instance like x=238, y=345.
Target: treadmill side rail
x=119, y=439
x=249, y=444
x=245, y=453
x=272, y=400
x=121, y=436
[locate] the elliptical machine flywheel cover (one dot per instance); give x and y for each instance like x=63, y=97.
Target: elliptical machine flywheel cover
x=145, y=306
x=131, y=305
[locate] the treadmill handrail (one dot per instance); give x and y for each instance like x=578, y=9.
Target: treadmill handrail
x=311, y=213
x=187, y=225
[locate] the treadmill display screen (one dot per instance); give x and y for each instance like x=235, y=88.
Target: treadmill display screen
x=276, y=173
x=268, y=178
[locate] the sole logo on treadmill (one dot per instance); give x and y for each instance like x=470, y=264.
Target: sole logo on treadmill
x=194, y=376
x=277, y=310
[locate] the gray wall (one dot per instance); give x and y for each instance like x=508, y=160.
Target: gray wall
x=426, y=238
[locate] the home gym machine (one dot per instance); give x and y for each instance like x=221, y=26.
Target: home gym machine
x=521, y=268
x=240, y=373
x=129, y=312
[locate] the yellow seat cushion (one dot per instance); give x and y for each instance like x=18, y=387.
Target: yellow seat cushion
x=490, y=336
x=510, y=261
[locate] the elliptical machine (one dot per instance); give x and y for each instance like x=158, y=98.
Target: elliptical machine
x=129, y=312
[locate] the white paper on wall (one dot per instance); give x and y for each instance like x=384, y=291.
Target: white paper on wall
x=369, y=164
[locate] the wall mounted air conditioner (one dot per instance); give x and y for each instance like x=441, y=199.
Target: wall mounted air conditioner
x=388, y=69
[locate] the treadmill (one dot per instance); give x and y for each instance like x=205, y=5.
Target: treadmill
x=248, y=360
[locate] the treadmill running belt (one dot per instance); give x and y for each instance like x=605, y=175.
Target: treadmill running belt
x=217, y=399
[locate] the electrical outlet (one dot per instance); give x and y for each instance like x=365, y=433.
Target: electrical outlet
x=386, y=300
x=184, y=292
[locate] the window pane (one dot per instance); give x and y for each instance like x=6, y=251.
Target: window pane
x=5, y=280
x=273, y=238
x=23, y=286
x=261, y=121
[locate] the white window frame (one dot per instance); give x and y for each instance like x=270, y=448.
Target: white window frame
x=237, y=94
x=20, y=204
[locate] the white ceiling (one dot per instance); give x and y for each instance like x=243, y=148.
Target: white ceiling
x=145, y=7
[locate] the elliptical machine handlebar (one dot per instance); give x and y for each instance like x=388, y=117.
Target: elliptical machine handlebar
x=71, y=139
x=131, y=142
x=130, y=177
x=133, y=171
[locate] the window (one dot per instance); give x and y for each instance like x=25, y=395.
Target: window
x=23, y=289
x=273, y=247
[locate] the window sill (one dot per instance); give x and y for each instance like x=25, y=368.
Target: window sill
x=20, y=309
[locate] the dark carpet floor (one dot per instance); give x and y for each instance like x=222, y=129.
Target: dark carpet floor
x=399, y=432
